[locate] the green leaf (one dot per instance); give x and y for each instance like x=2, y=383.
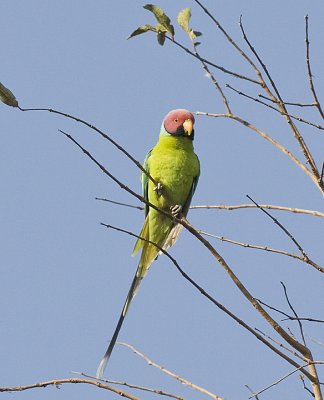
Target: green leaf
x=141, y=29
x=161, y=38
x=183, y=19
x=161, y=17
x=7, y=97
x=160, y=28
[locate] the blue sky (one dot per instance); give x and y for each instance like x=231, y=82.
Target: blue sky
x=64, y=277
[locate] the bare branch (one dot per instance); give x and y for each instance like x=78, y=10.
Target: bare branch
x=232, y=42
x=213, y=79
x=279, y=146
x=280, y=344
x=307, y=154
x=101, y=133
x=305, y=387
x=132, y=386
x=120, y=204
x=289, y=317
x=265, y=248
x=293, y=310
x=287, y=103
x=281, y=227
x=299, y=119
x=172, y=374
x=219, y=67
x=268, y=206
x=58, y=382
x=252, y=391
x=278, y=381
x=309, y=70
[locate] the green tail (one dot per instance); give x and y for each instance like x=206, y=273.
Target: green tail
x=149, y=251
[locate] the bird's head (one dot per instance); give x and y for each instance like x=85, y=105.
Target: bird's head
x=179, y=123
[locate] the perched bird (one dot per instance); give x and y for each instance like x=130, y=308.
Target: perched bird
x=175, y=169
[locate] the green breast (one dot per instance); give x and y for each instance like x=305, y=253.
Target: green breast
x=174, y=164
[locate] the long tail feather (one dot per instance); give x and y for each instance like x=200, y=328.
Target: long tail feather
x=134, y=286
x=149, y=253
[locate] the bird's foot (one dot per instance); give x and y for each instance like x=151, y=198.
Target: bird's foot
x=158, y=189
x=176, y=210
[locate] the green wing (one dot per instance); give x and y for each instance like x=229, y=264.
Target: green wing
x=145, y=180
x=187, y=203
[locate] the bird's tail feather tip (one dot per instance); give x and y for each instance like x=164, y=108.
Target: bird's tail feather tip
x=101, y=368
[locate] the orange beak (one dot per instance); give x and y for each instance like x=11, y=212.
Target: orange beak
x=188, y=126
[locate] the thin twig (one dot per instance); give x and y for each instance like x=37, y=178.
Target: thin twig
x=231, y=41
x=278, y=381
x=272, y=141
x=309, y=70
x=287, y=103
x=302, y=258
x=170, y=373
x=305, y=387
x=132, y=386
x=289, y=317
x=219, y=67
x=307, y=154
x=281, y=345
x=119, y=183
x=252, y=391
x=268, y=206
x=293, y=310
x=281, y=227
x=119, y=203
x=299, y=119
x=101, y=133
x=213, y=79
x=58, y=382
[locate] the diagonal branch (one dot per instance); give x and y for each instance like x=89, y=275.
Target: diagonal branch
x=101, y=133
x=307, y=154
x=172, y=374
x=317, y=182
x=293, y=310
x=58, y=382
x=132, y=386
x=215, y=82
x=299, y=119
x=304, y=259
x=220, y=68
x=309, y=70
x=281, y=227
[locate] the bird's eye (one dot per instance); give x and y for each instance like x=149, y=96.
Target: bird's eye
x=176, y=120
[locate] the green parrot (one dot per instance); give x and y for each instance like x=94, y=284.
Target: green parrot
x=175, y=168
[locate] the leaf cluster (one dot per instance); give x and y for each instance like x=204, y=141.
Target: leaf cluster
x=164, y=25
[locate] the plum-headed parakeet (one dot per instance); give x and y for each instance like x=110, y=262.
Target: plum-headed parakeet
x=174, y=166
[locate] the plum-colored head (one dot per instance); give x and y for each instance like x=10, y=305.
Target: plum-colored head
x=179, y=123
